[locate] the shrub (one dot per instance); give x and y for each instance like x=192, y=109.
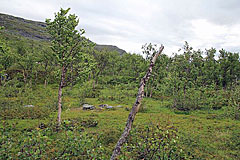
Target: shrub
x=152, y=142
x=78, y=124
x=233, y=109
x=110, y=137
x=48, y=144
x=11, y=88
x=200, y=99
x=187, y=101
x=117, y=94
x=25, y=113
x=143, y=107
x=80, y=92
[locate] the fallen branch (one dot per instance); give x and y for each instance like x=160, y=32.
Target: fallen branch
x=135, y=107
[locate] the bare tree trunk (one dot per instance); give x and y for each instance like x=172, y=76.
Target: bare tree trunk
x=1, y=77
x=24, y=77
x=30, y=79
x=93, y=77
x=45, y=83
x=71, y=78
x=146, y=92
x=61, y=84
x=151, y=89
x=93, y=84
x=150, y=96
x=152, y=86
x=135, y=107
x=46, y=77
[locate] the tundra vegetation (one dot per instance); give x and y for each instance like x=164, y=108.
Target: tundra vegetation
x=190, y=109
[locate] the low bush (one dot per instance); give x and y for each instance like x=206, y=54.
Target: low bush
x=152, y=142
x=47, y=143
x=117, y=94
x=233, y=109
x=25, y=113
x=200, y=99
x=143, y=107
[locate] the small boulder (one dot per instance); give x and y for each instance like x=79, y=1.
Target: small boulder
x=88, y=107
x=109, y=107
x=127, y=109
x=42, y=126
x=119, y=106
x=29, y=106
x=103, y=105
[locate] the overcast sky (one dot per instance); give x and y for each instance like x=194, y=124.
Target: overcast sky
x=129, y=24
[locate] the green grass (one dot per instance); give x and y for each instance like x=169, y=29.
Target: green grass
x=205, y=138
x=201, y=134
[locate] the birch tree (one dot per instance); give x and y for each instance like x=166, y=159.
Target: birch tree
x=69, y=46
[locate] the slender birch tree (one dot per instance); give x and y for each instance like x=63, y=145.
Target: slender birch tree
x=68, y=45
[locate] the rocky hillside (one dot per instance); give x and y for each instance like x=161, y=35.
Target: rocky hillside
x=16, y=27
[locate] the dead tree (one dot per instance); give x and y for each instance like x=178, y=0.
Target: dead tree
x=136, y=106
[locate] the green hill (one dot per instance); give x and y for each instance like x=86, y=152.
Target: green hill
x=16, y=27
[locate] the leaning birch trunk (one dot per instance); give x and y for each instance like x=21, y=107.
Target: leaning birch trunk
x=135, y=107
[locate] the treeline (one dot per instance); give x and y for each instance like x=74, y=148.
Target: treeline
x=198, y=79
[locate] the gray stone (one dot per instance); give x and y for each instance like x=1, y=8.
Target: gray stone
x=127, y=109
x=103, y=105
x=29, y=105
x=88, y=107
x=109, y=107
x=119, y=106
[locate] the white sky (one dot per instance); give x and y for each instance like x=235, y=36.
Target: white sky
x=129, y=24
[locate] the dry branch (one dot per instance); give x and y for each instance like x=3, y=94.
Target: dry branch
x=135, y=107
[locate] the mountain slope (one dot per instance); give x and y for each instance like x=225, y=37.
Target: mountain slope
x=16, y=27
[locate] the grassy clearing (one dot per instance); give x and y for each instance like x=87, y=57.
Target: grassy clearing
x=202, y=135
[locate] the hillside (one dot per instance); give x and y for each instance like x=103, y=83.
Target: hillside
x=16, y=27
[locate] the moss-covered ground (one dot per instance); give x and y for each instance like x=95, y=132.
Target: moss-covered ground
x=202, y=133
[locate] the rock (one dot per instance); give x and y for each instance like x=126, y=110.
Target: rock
x=88, y=107
x=29, y=105
x=103, y=105
x=42, y=126
x=127, y=109
x=109, y=107
x=119, y=106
